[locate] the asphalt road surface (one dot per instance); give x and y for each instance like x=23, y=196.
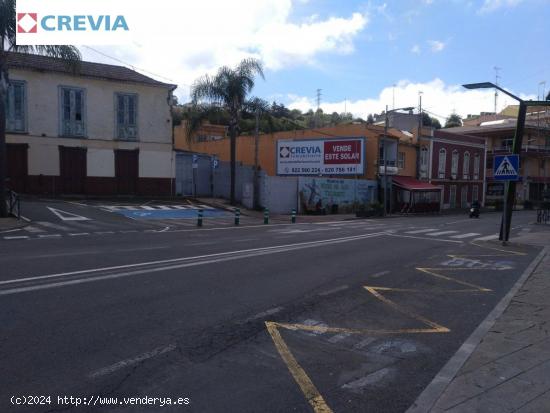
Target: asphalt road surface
x=352, y=316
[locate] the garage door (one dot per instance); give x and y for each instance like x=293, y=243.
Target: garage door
x=17, y=165
x=126, y=171
x=72, y=168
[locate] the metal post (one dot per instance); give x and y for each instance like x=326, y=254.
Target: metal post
x=293, y=217
x=266, y=216
x=504, y=212
x=511, y=187
x=237, y=216
x=199, y=218
x=385, y=163
x=256, y=195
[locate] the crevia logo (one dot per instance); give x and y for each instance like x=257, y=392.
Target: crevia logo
x=28, y=23
x=77, y=22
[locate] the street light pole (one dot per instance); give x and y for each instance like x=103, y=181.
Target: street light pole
x=385, y=162
x=510, y=186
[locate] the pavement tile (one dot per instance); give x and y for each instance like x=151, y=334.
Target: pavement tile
x=476, y=382
x=538, y=405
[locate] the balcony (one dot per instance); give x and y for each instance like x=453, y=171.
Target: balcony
x=390, y=168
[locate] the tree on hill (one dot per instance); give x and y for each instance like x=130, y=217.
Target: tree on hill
x=453, y=121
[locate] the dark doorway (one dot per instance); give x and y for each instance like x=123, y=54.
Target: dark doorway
x=17, y=164
x=72, y=168
x=126, y=171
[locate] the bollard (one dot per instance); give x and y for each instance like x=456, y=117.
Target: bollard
x=237, y=216
x=199, y=218
x=266, y=216
x=293, y=218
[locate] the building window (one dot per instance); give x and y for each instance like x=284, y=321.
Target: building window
x=452, y=196
x=506, y=143
x=475, y=194
x=126, y=116
x=424, y=162
x=73, y=109
x=476, y=166
x=442, y=163
x=16, y=107
x=454, y=164
x=464, y=197
x=401, y=160
x=466, y=166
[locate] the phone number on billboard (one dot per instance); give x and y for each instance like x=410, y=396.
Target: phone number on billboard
x=329, y=170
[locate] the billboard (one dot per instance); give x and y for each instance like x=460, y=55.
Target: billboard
x=316, y=194
x=340, y=156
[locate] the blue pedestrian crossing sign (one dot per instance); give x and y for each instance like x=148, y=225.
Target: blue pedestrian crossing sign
x=506, y=167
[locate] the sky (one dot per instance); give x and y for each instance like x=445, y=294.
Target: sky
x=363, y=55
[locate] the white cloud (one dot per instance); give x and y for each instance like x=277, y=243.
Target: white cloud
x=437, y=97
x=436, y=45
x=492, y=5
x=199, y=37
x=415, y=49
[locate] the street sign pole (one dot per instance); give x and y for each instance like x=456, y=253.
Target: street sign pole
x=511, y=187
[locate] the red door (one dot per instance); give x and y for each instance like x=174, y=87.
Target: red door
x=126, y=171
x=72, y=166
x=17, y=164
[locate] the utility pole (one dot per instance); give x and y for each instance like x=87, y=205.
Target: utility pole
x=420, y=121
x=497, y=77
x=256, y=196
x=385, y=162
x=318, y=107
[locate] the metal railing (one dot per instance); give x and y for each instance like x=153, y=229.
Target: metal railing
x=14, y=203
x=543, y=216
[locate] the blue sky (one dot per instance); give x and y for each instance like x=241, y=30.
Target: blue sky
x=355, y=51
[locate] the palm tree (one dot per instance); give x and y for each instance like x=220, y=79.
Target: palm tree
x=8, y=27
x=229, y=89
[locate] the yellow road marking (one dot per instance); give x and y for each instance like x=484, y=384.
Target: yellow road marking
x=306, y=385
x=309, y=390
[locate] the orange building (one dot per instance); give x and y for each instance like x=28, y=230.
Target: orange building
x=401, y=147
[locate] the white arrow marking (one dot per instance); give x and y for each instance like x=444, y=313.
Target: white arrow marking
x=67, y=216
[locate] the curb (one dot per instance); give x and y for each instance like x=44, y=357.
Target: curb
x=434, y=390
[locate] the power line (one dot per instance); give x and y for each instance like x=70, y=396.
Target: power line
x=132, y=66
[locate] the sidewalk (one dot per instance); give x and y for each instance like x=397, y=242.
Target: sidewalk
x=10, y=223
x=509, y=371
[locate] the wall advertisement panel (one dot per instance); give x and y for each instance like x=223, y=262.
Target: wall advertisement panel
x=317, y=194
x=339, y=156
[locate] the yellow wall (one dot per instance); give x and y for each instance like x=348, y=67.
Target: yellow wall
x=268, y=144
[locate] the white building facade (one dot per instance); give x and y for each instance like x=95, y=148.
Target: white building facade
x=96, y=130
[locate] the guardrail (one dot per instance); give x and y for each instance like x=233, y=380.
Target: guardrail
x=14, y=204
x=543, y=216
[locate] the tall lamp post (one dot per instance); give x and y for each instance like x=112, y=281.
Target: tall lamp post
x=510, y=186
x=384, y=151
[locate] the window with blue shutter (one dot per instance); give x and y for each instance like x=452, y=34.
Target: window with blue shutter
x=73, y=119
x=16, y=107
x=126, y=116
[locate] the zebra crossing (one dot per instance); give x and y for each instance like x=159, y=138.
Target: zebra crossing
x=450, y=234
x=53, y=230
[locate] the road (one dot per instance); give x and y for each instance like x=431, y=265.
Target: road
x=351, y=316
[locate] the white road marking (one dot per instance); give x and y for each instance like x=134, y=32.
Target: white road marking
x=130, y=362
x=338, y=337
x=265, y=313
x=169, y=264
x=367, y=380
x=379, y=274
x=436, y=234
x=415, y=237
x=334, y=290
x=420, y=231
x=364, y=343
x=104, y=232
x=67, y=216
x=49, y=236
x=54, y=226
x=468, y=235
x=77, y=234
x=33, y=229
x=487, y=238
x=17, y=237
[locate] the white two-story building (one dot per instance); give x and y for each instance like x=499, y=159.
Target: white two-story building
x=99, y=130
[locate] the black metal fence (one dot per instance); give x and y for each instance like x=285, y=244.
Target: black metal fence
x=543, y=216
x=14, y=204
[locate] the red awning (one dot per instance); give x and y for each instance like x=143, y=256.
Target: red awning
x=412, y=184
